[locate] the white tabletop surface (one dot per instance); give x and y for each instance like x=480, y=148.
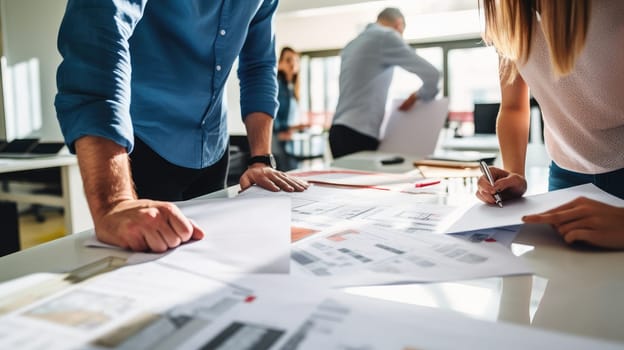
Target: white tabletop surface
x=575, y=290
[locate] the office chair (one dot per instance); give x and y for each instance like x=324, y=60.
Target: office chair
x=48, y=180
x=239, y=152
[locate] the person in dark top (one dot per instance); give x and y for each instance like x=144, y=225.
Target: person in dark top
x=286, y=119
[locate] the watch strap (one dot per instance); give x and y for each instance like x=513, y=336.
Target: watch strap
x=266, y=159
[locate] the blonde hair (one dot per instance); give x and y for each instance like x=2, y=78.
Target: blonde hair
x=509, y=26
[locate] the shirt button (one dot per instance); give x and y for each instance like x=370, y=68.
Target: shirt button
x=218, y=67
x=222, y=32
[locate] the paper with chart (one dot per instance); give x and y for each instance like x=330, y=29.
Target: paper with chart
x=242, y=235
x=151, y=306
x=482, y=215
x=126, y=298
x=355, y=237
x=323, y=207
x=364, y=254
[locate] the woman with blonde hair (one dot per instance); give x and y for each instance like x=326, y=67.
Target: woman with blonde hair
x=570, y=53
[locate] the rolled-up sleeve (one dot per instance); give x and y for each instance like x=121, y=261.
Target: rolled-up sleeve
x=257, y=69
x=396, y=52
x=93, y=80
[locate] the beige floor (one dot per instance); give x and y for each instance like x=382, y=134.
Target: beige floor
x=33, y=233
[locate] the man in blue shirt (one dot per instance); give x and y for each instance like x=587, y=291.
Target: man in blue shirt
x=366, y=68
x=140, y=101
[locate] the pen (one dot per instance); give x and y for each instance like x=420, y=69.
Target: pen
x=486, y=171
x=427, y=183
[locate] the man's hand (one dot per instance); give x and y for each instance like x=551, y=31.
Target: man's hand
x=586, y=220
x=409, y=102
x=145, y=225
x=119, y=217
x=271, y=179
x=508, y=185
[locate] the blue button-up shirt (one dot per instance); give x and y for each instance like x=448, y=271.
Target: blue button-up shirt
x=157, y=69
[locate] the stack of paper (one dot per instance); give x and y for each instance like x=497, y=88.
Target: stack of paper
x=152, y=306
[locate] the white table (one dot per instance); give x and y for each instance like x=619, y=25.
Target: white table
x=72, y=200
x=576, y=290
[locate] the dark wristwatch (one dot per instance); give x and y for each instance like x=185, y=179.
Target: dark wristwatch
x=267, y=159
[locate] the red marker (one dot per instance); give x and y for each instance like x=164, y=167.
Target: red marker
x=425, y=184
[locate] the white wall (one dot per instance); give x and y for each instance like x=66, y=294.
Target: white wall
x=334, y=27
x=29, y=31
x=30, y=27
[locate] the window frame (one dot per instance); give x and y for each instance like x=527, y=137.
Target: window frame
x=446, y=45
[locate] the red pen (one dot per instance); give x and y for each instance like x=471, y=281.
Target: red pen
x=425, y=184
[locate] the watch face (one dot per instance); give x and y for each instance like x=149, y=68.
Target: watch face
x=273, y=162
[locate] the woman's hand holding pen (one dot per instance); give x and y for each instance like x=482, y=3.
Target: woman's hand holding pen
x=508, y=185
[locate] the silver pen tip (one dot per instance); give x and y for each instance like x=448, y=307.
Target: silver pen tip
x=500, y=204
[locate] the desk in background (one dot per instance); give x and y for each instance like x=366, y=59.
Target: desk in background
x=576, y=290
x=76, y=212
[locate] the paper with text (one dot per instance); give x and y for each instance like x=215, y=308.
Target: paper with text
x=365, y=254
x=152, y=306
x=361, y=236
x=324, y=207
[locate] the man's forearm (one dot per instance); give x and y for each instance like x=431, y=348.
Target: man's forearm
x=105, y=171
x=259, y=131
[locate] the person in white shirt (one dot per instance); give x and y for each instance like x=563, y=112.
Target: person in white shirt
x=570, y=54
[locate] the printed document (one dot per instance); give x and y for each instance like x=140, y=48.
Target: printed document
x=349, y=237
x=365, y=254
x=151, y=306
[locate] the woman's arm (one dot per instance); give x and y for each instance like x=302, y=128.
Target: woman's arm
x=512, y=125
x=512, y=128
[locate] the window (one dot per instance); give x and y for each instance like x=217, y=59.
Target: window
x=473, y=77
x=469, y=75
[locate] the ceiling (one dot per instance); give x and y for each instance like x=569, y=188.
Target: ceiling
x=300, y=7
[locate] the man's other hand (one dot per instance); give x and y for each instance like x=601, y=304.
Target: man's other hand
x=409, y=102
x=271, y=179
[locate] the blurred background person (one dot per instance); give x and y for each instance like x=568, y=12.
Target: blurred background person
x=287, y=119
x=367, y=65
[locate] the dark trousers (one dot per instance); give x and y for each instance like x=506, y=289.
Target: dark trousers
x=285, y=161
x=9, y=231
x=156, y=178
x=611, y=182
x=344, y=140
